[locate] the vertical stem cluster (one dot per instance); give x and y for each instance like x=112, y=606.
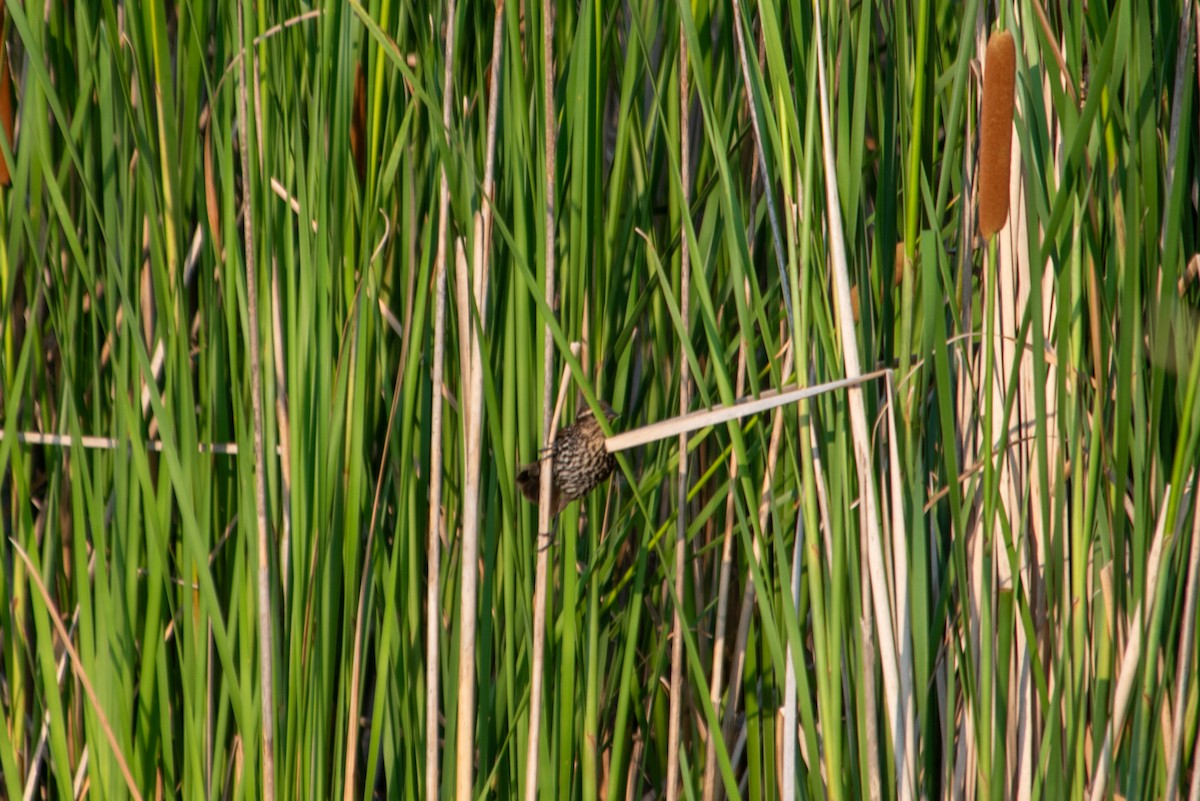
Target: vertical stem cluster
x=543, y=557
x=433, y=625
x=676, y=714
x=464, y=781
x=265, y=630
x=901, y=725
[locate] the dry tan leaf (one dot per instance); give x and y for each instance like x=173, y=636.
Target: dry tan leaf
x=210, y=192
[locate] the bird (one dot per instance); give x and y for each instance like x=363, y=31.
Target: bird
x=581, y=461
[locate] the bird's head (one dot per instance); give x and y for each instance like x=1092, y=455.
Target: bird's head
x=586, y=413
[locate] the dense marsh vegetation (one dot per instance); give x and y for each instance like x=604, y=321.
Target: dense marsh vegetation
x=275, y=286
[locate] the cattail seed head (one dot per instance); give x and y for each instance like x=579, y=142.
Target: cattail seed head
x=995, y=132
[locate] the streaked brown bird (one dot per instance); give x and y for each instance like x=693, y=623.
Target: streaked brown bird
x=580, y=461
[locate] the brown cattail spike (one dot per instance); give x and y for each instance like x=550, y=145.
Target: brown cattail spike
x=995, y=132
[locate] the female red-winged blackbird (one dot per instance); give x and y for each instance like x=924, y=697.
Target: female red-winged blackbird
x=580, y=462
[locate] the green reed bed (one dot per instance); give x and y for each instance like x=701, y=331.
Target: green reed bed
x=288, y=292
